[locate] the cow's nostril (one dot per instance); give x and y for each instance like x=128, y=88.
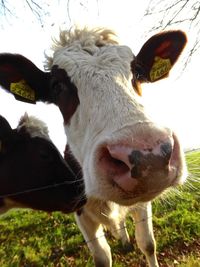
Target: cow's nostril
x=166, y=151
x=115, y=165
x=120, y=153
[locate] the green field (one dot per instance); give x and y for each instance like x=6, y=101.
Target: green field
x=29, y=238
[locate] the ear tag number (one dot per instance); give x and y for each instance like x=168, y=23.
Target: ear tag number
x=22, y=89
x=160, y=68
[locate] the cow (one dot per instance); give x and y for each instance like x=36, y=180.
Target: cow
x=126, y=158
x=33, y=174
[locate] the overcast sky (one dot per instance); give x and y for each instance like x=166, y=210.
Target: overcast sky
x=173, y=102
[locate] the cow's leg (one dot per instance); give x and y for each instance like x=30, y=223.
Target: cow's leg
x=144, y=232
x=119, y=231
x=95, y=239
x=115, y=222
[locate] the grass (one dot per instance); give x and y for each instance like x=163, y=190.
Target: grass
x=33, y=239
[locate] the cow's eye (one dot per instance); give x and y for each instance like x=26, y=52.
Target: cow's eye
x=56, y=89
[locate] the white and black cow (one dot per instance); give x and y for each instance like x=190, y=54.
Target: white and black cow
x=33, y=174
x=126, y=158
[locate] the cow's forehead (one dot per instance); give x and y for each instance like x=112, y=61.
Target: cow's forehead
x=110, y=59
x=78, y=55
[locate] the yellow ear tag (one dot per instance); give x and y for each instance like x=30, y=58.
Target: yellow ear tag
x=160, y=68
x=22, y=89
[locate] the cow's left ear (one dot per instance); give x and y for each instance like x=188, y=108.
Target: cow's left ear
x=5, y=128
x=156, y=57
x=19, y=76
x=5, y=131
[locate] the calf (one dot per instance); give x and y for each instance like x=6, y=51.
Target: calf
x=33, y=173
x=126, y=158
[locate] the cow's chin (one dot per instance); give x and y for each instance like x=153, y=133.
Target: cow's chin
x=117, y=184
x=143, y=192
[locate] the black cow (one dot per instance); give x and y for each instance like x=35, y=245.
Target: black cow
x=33, y=173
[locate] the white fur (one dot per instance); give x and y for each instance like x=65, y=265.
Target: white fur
x=34, y=126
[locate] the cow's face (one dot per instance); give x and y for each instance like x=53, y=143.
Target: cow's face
x=125, y=156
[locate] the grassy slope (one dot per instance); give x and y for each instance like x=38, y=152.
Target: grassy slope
x=30, y=238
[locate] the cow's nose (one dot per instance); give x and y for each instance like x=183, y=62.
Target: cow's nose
x=142, y=161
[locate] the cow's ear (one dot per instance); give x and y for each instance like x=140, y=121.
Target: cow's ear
x=5, y=128
x=157, y=56
x=19, y=76
x=5, y=131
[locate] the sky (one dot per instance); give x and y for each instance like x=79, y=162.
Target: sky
x=173, y=102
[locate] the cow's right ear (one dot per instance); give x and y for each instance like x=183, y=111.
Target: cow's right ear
x=19, y=76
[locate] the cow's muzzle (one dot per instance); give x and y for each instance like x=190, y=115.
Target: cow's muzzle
x=143, y=163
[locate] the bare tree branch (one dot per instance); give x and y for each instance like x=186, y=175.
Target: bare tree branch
x=4, y=8
x=37, y=8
